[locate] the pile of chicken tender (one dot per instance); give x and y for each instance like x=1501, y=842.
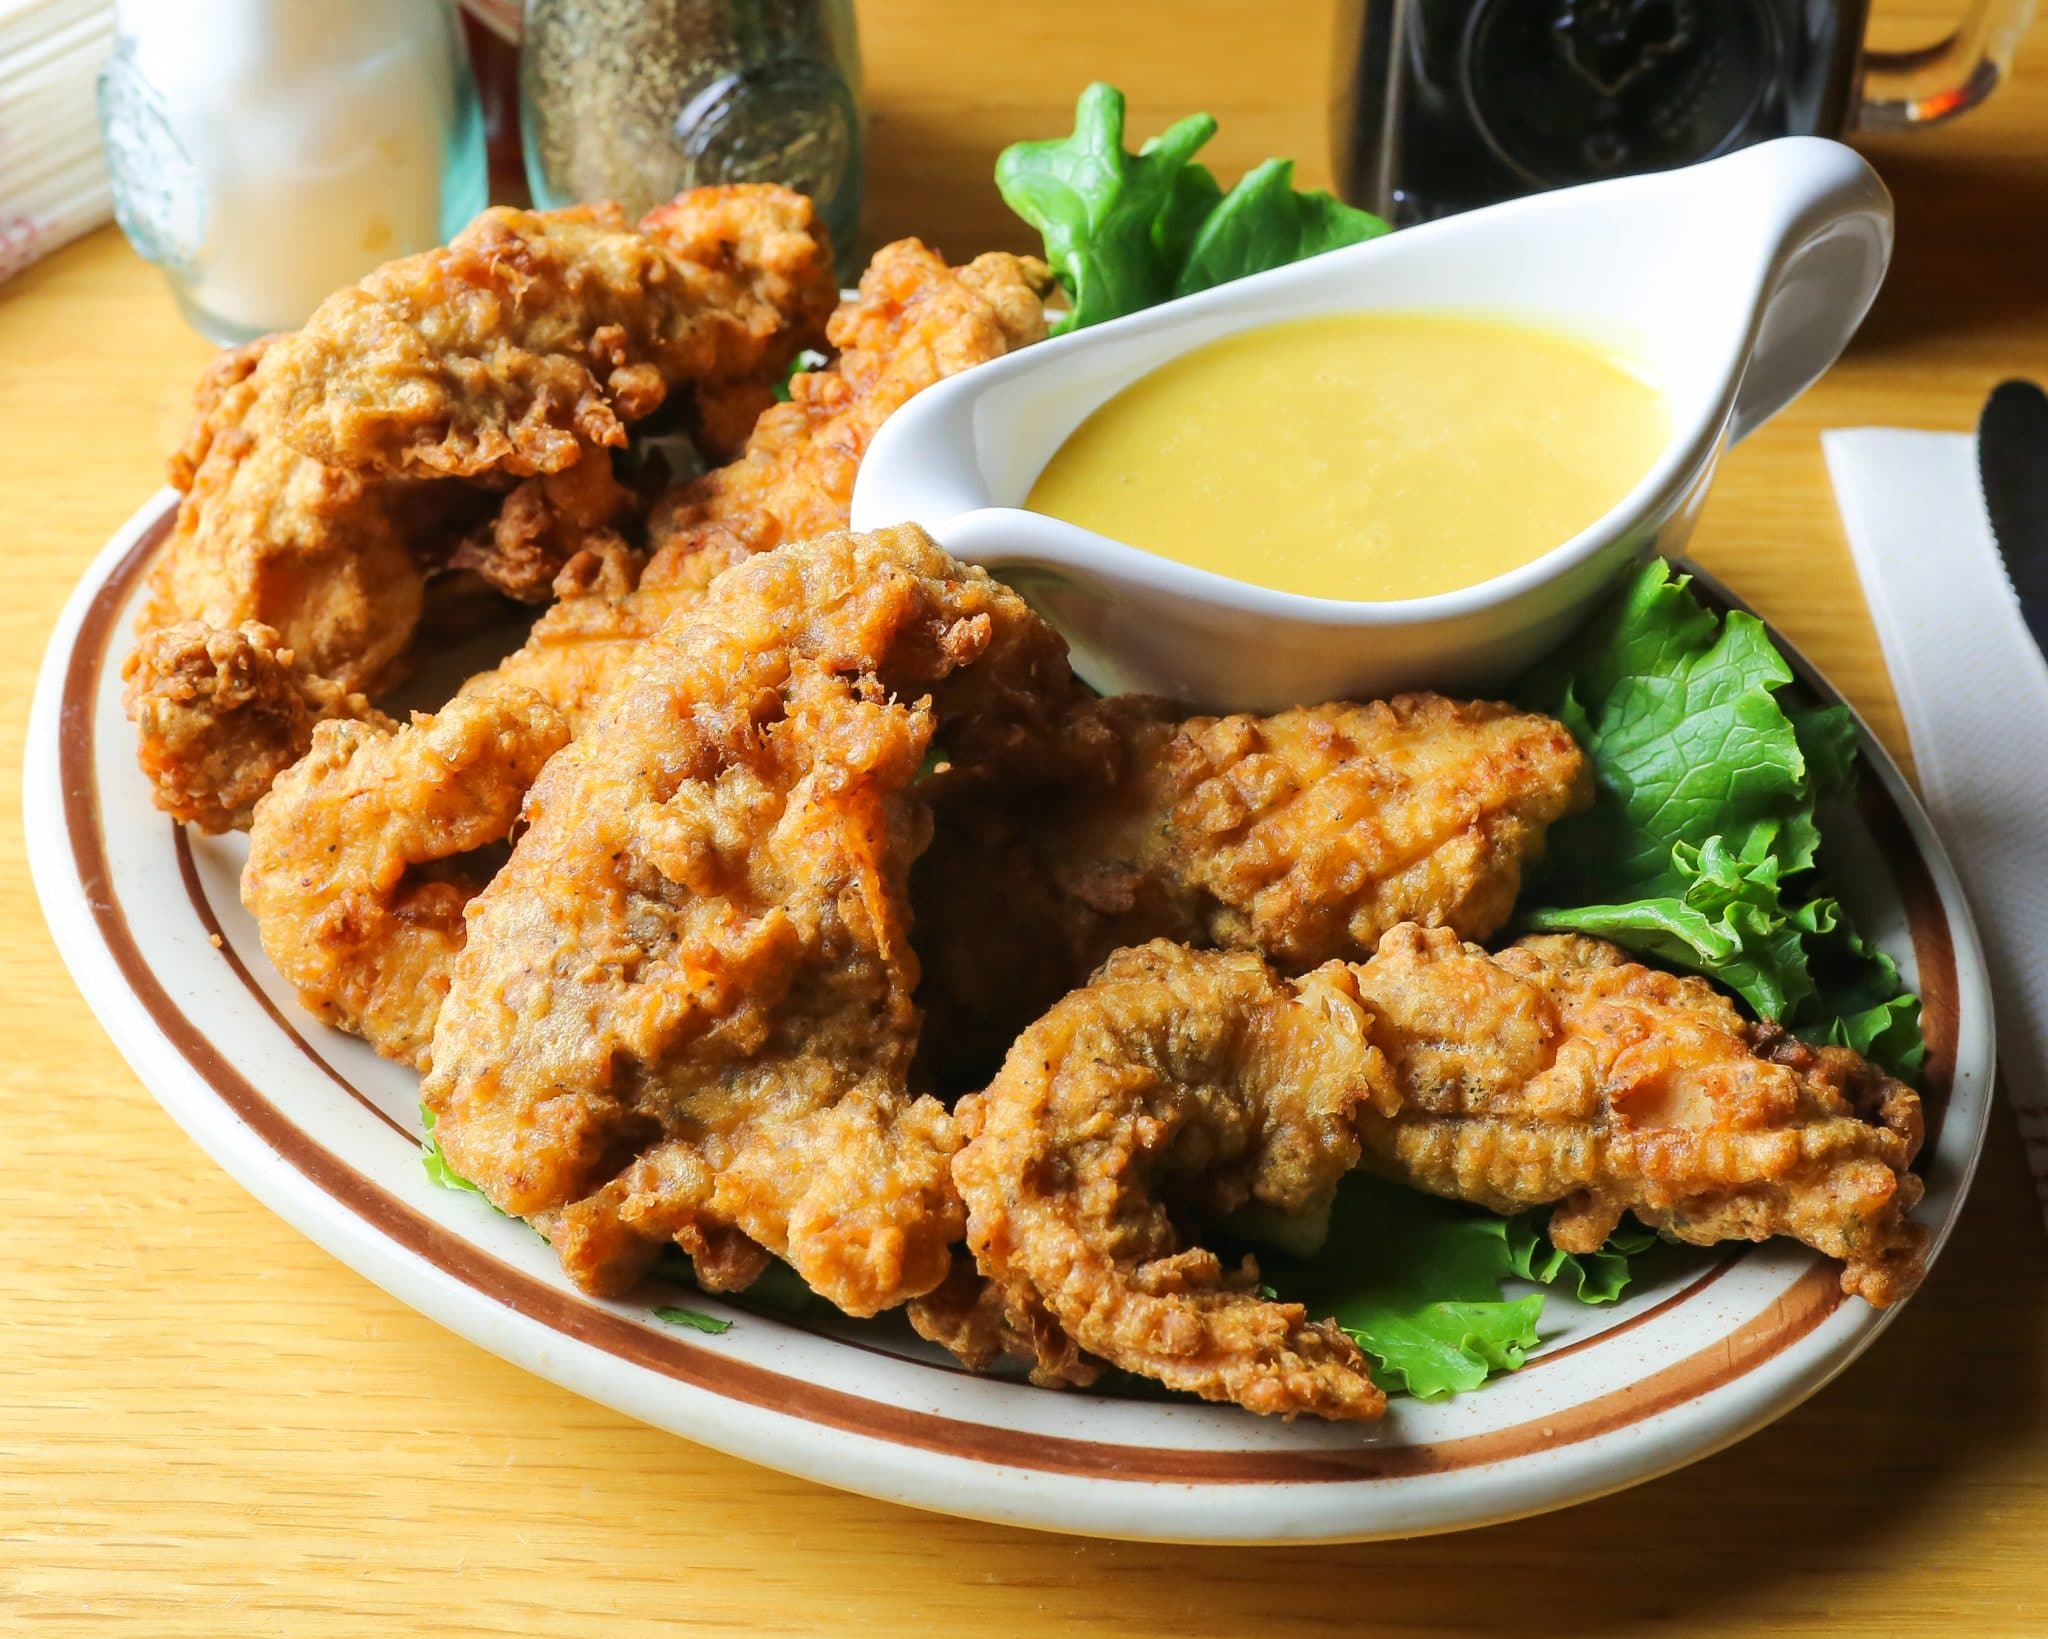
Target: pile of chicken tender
x=786, y=897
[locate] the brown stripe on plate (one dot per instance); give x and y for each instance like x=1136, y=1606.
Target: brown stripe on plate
x=1814, y=1296
x=202, y=908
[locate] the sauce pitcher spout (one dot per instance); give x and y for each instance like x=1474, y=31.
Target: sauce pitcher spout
x=1820, y=222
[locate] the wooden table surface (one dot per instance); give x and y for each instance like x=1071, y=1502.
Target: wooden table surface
x=209, y=1426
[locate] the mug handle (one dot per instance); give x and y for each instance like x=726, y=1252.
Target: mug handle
x=1904, y=89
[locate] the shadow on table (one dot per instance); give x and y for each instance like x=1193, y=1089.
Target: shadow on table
x=1971, y=253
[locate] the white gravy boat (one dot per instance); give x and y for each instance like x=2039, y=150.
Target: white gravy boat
x=1733, y=284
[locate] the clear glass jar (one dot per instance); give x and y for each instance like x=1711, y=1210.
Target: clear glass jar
x=636, y=100
x=266, y=152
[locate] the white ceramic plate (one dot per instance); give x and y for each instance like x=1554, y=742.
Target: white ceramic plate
x=325, y=1133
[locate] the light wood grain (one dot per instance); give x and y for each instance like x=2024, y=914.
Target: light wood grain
x=207, y=1426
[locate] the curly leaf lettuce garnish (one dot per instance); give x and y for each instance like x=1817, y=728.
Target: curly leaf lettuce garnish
x=1417, y=1284
x=435, y=1162
x=1700, y=848
x=695, y=1319
x=1125, y=231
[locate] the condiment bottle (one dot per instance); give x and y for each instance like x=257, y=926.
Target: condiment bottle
x=636, y=100
x=491, y=29
x=265, y=152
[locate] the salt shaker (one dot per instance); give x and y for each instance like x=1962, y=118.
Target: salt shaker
x=636, y=100
x=265, y=152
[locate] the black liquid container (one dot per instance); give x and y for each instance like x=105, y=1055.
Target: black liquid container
x=1443, y=105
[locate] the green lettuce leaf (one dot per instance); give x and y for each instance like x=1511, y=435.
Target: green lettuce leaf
x=1125, y=231
x=1264, y=223
x=1827, y=739
x=1863, y=1003
x=1099, y=207
x=778, y=1287
x=1416, y=1282
x=435, y=1162
x=1595, y=1277
x=1728, y=918
x=692, y=1319
x=1700, y=848
x=1676, y=711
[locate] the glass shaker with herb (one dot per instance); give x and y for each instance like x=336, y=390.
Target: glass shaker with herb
x=636, y=100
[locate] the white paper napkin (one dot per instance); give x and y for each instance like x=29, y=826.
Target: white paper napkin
x=53, y=173
x=1973, y=689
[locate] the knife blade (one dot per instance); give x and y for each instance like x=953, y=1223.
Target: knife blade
x=2012, y=468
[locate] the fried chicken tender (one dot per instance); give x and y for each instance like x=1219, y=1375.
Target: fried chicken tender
x=979, y=1324
x=913, y=322
x=683, y=1013
x=545, y=523
x=533, y=335
x=916, y=321
x=609, y=601
x=1179, y=1080
x=1302, y=836
x=220, y=712
x=1557, y=1072
x=359, y=861
x=285, y=594
x=1560, y=1071
x=331, y=562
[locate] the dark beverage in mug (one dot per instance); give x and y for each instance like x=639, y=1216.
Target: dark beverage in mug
x=1448, y=104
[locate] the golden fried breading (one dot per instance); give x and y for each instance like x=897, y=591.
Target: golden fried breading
x=1560, y=1071
x=913, y=322
x=723, y=416
x=981, y=1323
x=334, y=561
x=1199, y=1080
x=684, y=1011
x=330, y=559
x=544, y=523
x=360, y=858
x=534, y=334
x=608, y=603
x=916, y=321
x=285, y=593
x=1302, y=836
x=220, y=712
x=1556, y=1073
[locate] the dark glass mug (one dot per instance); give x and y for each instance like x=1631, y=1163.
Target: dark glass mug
x=1447, y=104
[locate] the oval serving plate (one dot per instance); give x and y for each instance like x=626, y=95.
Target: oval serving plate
x=326, y=1134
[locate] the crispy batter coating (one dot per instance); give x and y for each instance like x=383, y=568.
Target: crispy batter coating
x=1557, y=1072
x=544, y=523
x=1561, y=1071
x=1303, y=836
x=329, y=558
x=609, y=601
x=1195, y=1082
x=535, y=334
x=362, y=858
x=220, y=712
x=980, y=1323
x=684, y=1010
x=916, y=321
x=285, y=594
x=723, y=416
x=333, y=560
x=913, y=322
